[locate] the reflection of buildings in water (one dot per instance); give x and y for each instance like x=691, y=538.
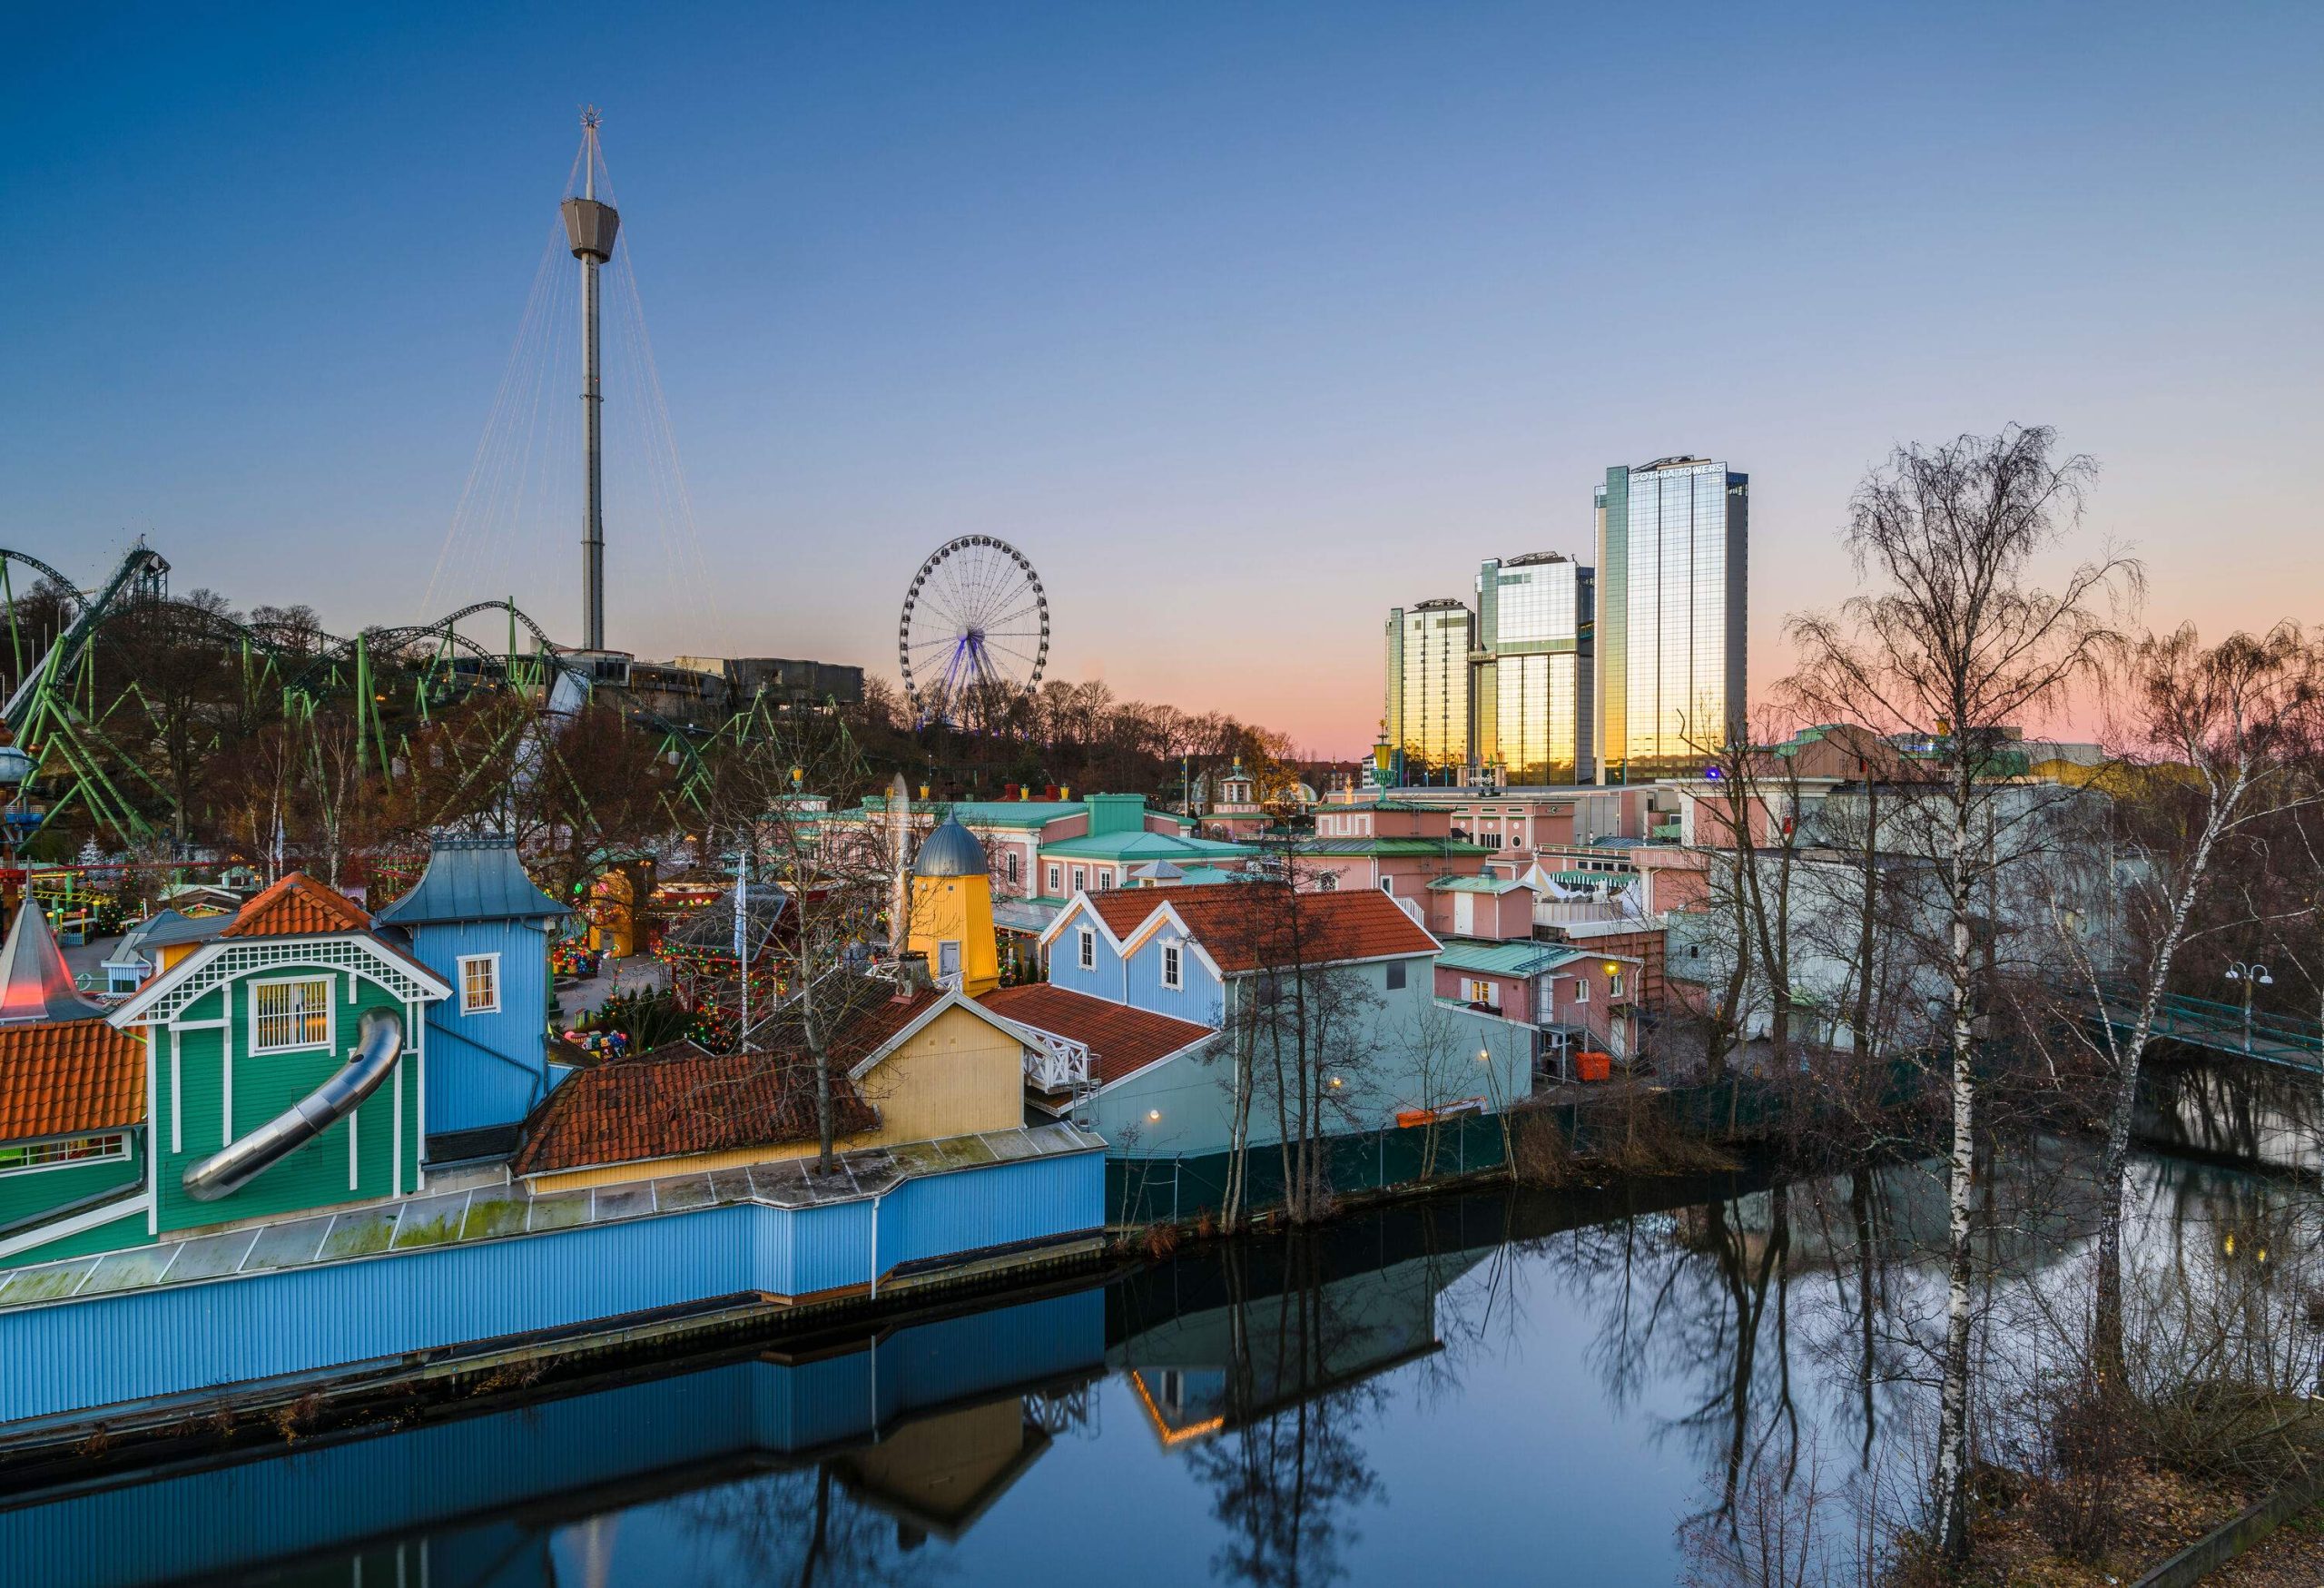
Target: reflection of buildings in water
x=937, y=1475
x=921, y=1427
x=1281, y=1331
x=2043, y=1191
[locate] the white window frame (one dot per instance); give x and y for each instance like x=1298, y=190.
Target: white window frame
x=1387, y=884
x=1088, y=955
x=1105, y=878
x=330, y=1015
x=116, y=1153
x=1013, y=861
x=1081, y=879
x=1479, y=990
x=1581, y=990
x=1056, y=879
x=460, y=982
x=1614, y=985
x=1173, y=967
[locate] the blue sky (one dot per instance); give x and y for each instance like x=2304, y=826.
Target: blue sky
x=1244, y=321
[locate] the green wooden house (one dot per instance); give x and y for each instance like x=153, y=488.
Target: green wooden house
x=296, y=1039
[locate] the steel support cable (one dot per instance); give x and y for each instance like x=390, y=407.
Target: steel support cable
x=667, y=466
x=500, y=395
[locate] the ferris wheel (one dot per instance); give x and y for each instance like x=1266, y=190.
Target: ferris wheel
x=975, y=631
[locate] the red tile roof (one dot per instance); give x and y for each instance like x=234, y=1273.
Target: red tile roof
x=680, y=1099
x=61, y=1078
x=297, y=906
x=1121, y=1040
x=1244, y=926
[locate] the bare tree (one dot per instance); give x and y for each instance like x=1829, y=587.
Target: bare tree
x=1953, y=644
x=2212, y=738
x=773, y=784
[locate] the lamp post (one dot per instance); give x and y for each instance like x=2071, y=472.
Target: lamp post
x=2251, y=976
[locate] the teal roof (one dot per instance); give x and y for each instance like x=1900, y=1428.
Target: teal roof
x=1144, y=846
x=470, y=879
x=1393, y=848
x=1521, y=957
x=1033, y=814
x=1474, y=885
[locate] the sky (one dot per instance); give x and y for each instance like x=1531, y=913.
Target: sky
x=1245, y=322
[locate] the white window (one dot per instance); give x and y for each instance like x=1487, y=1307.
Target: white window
x=1081, y=878
x=1011, y=862
x=286, y=1016
x=68, y=1149
x=1387, y=884
x=1056, y=879
x=1614, y=985
x=1105, y=878
x=1328, y=882
x=1173, y=967
x=1088, y=950
x=479, y=983
x=1477, y=990
x=1581, y=990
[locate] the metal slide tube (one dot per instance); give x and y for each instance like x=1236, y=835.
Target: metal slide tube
x=378, y=1043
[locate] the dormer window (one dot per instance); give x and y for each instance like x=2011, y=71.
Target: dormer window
x=1173, y=967
x=1088, y=946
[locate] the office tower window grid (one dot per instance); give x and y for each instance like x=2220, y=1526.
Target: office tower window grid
x=1672, y=550
x=1533, y=673
x=1428, y=706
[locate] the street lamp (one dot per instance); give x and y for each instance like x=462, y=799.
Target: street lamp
x=2251, y=976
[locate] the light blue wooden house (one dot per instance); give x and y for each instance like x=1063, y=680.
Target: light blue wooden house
x=478, y=922
x=1143, y=984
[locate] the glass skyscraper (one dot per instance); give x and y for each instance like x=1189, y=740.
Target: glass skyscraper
x=1532, y=671
x=1671, y=576
x=1428, y=713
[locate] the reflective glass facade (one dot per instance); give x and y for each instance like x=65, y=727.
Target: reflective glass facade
x=1672, y=562
x=1429, y=709
x=1533, y=675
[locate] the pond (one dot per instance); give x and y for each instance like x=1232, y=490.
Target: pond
x=1580, y=1387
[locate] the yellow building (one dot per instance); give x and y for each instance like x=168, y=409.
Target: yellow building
x=951, y=911
x=924, y=1067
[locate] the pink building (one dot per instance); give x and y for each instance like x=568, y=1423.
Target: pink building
x=1491, y=907
x=1392, y=845
x=1584, y=996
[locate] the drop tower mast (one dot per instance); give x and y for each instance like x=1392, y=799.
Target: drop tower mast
x=589, y=226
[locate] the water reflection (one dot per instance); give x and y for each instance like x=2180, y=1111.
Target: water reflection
x=1606, y=1387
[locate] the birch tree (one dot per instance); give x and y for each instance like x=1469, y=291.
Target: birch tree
x=2213, y=742
x=1952, y=642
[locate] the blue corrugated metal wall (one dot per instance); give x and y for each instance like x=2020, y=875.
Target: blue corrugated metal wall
x=177, y=1339
x=232, y=1519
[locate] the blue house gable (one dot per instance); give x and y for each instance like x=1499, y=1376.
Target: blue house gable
x=1159, y=965
x=479, y=923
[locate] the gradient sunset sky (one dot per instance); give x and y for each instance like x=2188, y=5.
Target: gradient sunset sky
x=1244, y=321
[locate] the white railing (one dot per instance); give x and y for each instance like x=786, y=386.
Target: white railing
x=1054, y=1063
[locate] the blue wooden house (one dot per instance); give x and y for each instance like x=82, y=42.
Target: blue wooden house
x=1144, y=984
x=480, y=924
